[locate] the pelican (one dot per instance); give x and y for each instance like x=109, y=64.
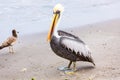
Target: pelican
x=10, y=41
x=67, y=45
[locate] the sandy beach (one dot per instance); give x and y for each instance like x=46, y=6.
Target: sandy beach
x=33, y=57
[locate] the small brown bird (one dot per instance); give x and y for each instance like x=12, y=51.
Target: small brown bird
x=10, y=41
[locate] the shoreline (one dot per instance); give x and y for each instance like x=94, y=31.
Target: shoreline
x=34, y=54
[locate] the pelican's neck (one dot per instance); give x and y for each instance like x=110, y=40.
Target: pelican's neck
x=55, y=33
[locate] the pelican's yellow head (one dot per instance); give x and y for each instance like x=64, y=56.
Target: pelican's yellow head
x=56, y=16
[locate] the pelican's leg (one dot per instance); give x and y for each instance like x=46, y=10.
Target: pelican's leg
x=71, y=71
x=65, y=68
x=69, y=64
x=74, y=66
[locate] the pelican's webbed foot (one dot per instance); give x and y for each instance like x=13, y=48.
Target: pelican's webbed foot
x=64, y=68
x=68, y=70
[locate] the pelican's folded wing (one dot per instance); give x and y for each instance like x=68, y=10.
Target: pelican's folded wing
x=65, y=34
x=79, y=48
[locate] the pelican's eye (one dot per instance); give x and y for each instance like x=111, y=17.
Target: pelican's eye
x=57, y=12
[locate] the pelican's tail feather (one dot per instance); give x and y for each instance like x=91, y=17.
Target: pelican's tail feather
x=91, y=60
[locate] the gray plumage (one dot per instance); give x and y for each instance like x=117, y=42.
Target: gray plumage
x=70, y=47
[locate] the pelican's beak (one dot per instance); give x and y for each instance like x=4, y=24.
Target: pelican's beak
x=55, y=19
x=53, y=25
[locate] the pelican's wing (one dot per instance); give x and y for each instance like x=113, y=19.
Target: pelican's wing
x=75, y=45
x=65, y=34
x=79, y=48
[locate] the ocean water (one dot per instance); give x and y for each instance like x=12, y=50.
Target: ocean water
x=33, y=16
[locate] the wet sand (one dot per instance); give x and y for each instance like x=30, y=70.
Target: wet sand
x=33, y=57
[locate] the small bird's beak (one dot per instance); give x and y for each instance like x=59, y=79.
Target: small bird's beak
x=53, y=25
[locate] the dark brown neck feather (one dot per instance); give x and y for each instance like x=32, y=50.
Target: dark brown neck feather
x=14, y=33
